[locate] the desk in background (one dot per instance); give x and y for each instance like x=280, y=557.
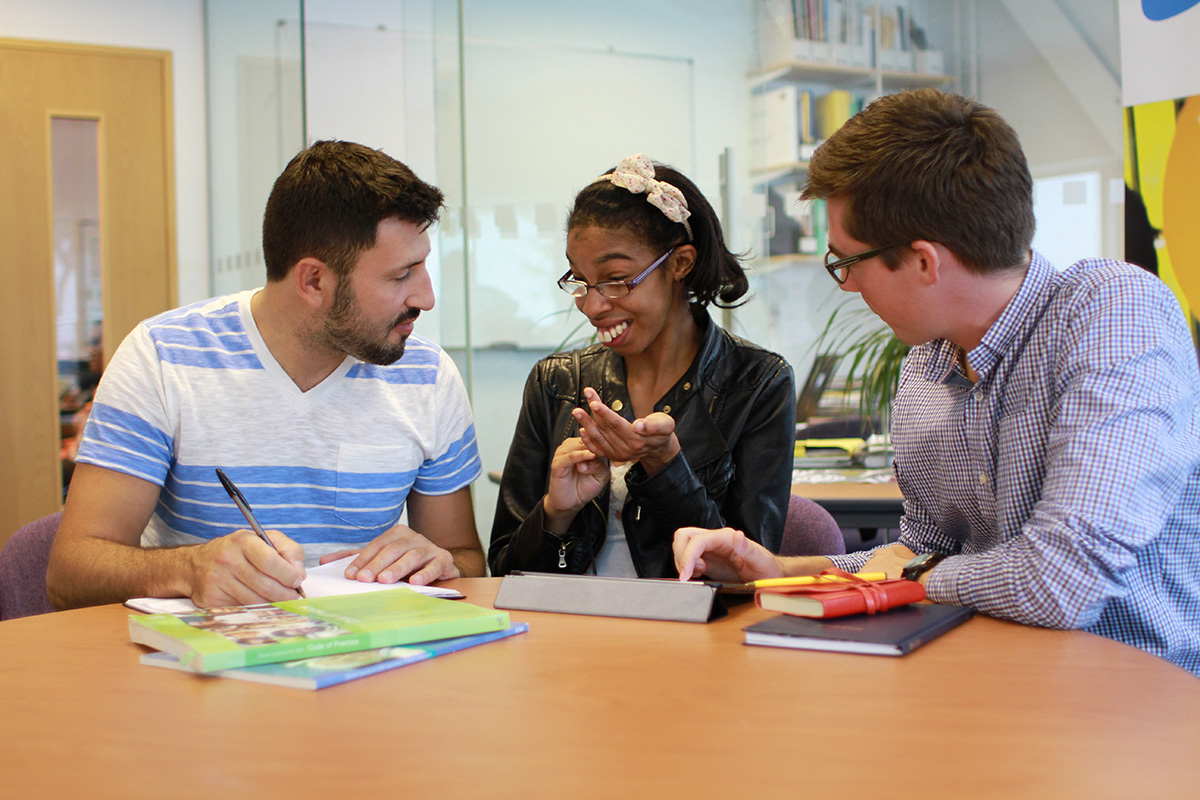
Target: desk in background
x=853, y=502
x=585, y=707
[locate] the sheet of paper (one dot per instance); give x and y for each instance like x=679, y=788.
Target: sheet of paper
x=330, y=579
x=325, y=580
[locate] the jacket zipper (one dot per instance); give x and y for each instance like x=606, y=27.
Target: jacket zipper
x=563, y=544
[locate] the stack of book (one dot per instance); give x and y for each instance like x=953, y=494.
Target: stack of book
x=848, y=33
x=839, y=612
x=317, y=642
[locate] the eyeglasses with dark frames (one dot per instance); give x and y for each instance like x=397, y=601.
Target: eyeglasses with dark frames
x=839, y=270
x=610, y=289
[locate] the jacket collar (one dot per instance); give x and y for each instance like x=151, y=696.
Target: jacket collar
x=611, y=369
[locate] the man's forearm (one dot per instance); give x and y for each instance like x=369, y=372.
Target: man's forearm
x=803, y=565
x=469, y=560
x=96, y=571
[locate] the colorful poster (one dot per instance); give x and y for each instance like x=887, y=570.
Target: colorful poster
x=1160, y=54
x=1162, y=176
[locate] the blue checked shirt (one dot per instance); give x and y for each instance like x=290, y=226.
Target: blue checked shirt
x=1065, y=483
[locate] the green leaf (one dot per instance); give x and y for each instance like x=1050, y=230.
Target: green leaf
x=870, y=352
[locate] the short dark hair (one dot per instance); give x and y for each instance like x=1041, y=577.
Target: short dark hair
x=717, y=276
x=329, y=202
x=930, y=165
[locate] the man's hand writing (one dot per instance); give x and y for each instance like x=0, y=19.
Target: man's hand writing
x=241, y=569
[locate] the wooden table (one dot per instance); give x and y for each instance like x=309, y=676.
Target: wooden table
x=597, y=707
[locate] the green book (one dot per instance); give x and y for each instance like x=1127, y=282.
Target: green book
x=321, y=671
x=211, y=639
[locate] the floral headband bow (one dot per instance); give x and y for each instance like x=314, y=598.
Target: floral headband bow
x=636, y=173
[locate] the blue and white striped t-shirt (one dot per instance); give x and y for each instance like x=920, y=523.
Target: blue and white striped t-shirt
x=1065, y=483
x=196, y=388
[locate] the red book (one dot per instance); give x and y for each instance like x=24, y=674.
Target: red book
x=839, y=599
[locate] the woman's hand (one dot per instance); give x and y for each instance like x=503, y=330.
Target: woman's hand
x=650, y=440
x=577, y=476
x=725, y=555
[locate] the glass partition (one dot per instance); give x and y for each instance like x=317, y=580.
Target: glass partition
x=510, y=108
x=255, y=125
x=535, y=100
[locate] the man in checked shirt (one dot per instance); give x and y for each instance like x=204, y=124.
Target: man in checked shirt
x=1047, y=424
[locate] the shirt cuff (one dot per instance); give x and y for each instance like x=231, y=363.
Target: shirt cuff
x=852, y=562
x=942, y=582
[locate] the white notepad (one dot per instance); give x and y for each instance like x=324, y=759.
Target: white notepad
x=325, y=580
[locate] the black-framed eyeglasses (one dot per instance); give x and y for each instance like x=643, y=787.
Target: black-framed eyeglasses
x=839, y=270
x=610, y=289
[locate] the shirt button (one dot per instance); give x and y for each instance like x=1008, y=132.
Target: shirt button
x=687, y=387
x=983, y=478
x=617, y=405
x=667, y=409
x=979, y=398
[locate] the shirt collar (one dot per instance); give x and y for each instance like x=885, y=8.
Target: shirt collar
x=1008, y=326
x=999, y=337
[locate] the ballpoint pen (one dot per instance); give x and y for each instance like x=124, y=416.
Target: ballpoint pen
x=244, y=507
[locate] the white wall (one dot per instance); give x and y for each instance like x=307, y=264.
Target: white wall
x=174, y=25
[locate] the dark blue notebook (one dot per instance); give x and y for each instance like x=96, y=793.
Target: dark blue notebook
x=891, y=633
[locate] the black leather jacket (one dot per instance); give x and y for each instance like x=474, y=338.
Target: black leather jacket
x=735, y=418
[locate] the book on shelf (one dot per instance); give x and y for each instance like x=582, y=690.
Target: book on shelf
x=828, y=600
x=319, y=672
x=324, y=580
x=831, y=111
x=892, y=633
x=228, y=637
x=804, y=113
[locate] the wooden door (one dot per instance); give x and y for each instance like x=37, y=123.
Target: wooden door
x=128, y=94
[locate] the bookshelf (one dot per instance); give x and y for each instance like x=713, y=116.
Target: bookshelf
x=820, y=62
x=802, y=89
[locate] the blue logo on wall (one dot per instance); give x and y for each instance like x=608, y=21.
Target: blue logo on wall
x=1157, y=10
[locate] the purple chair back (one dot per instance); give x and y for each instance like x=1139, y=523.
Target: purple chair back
x=810, y=530
x=23, y=563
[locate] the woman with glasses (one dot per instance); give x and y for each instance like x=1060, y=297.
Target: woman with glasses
x=668, y=420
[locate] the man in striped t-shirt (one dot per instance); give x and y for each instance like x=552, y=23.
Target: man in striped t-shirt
x=312, y=394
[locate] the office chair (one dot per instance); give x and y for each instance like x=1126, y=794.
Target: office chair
x=810, y=530
x=23, y=563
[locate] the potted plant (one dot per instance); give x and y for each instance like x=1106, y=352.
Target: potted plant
x=871, y=356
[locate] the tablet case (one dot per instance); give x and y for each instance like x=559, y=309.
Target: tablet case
x=638, y=598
